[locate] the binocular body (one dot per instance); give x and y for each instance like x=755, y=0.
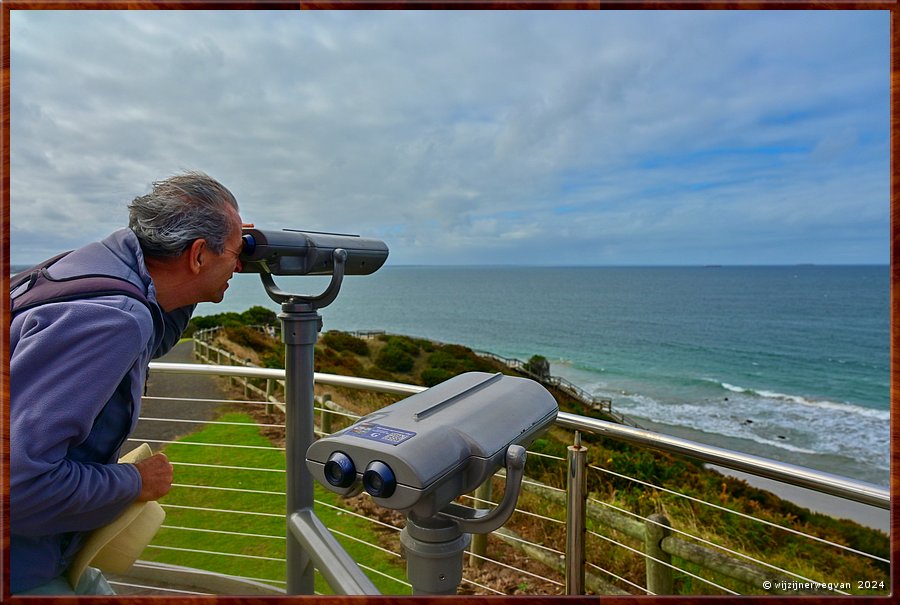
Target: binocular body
x=421, y=453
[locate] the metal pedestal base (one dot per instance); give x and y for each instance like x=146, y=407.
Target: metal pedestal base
x=434, y=554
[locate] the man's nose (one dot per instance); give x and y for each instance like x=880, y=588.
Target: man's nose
x=238, y=265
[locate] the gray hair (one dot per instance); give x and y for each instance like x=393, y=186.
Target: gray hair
x=179, y=210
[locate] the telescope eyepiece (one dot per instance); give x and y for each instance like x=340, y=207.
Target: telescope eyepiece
x=379, y=480
x=340, y=470
x=249, y=245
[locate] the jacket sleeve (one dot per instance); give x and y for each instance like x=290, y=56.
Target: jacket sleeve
x=65, y=363
x=176, y=322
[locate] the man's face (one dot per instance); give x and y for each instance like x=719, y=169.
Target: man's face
x=217, y=269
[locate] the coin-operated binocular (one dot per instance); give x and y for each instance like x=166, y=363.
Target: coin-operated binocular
x=420, y=454
x=295, y=252
x=288, y=252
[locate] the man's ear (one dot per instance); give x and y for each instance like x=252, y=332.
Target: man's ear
x=198, y=252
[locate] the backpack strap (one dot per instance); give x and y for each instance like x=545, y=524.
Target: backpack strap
x=43, y=289
x=29, y=274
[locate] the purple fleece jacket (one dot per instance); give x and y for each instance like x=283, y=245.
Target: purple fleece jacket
x=77, y=371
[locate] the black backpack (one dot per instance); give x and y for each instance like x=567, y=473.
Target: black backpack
x=43, y=289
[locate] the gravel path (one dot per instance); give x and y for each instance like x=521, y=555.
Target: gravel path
x=174, y=397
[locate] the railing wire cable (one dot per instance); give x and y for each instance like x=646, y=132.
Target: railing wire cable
x=661, y=562
x=222, y=510
x=620, y=578
x=524, y=571
x=213, y=552
x=242, y=447
x=222, y=532
x=740, y=514
x=239, y=490
x=215, y=422
x=227, y=467
x=711, y=544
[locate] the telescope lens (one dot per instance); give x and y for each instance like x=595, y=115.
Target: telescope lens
x=340, y=470
x=379, y=480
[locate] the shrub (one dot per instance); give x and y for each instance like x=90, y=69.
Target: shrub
x=539, y=366
x=225, y=320
x=345, y=364
x=433, y=376
x=403, y=343
x=274, y=359
x=376, y=373
x=457, y=359
x=249, y=337
x=341, y=341
x=259, y=316
x=442, y=360
x=394, y=359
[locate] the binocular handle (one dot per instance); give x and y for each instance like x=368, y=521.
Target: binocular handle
x=481, y=521
x=339, y=259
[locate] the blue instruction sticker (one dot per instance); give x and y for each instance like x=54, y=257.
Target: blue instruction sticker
x=382, y=434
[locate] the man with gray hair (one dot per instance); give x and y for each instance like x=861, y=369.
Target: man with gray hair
x=78, y=368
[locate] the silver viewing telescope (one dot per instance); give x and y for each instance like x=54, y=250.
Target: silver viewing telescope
x=287, y=252
x=296, y=252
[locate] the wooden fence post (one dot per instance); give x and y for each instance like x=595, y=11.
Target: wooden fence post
x=659, y=570
x=246, y=380
x=479, y=541
x=270, y=390
x=325, y=424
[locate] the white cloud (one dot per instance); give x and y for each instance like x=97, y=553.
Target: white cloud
x=463, y=135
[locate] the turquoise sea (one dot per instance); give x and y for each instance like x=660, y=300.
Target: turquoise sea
x=786, y=362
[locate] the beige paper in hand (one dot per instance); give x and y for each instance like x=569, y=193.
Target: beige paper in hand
x=115, y=547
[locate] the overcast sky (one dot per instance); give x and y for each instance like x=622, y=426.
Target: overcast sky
x=468, y=137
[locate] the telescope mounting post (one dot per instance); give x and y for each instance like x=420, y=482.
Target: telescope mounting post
x=435, y=545
x=300, y=326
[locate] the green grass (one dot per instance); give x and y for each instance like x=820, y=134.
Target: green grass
x=263, y=549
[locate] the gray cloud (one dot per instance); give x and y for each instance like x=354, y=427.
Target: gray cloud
x=632, y=137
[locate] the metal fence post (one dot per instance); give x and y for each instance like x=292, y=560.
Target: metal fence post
x=576, y=491
x=300, y=329
x=659, y=570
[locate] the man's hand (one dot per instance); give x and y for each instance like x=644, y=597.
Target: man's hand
x=156, y=477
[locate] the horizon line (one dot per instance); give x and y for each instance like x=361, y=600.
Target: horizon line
x=21, y=266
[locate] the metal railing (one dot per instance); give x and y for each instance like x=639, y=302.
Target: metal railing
x=567, y=569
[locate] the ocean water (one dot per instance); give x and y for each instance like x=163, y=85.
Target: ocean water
x=787, y=362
